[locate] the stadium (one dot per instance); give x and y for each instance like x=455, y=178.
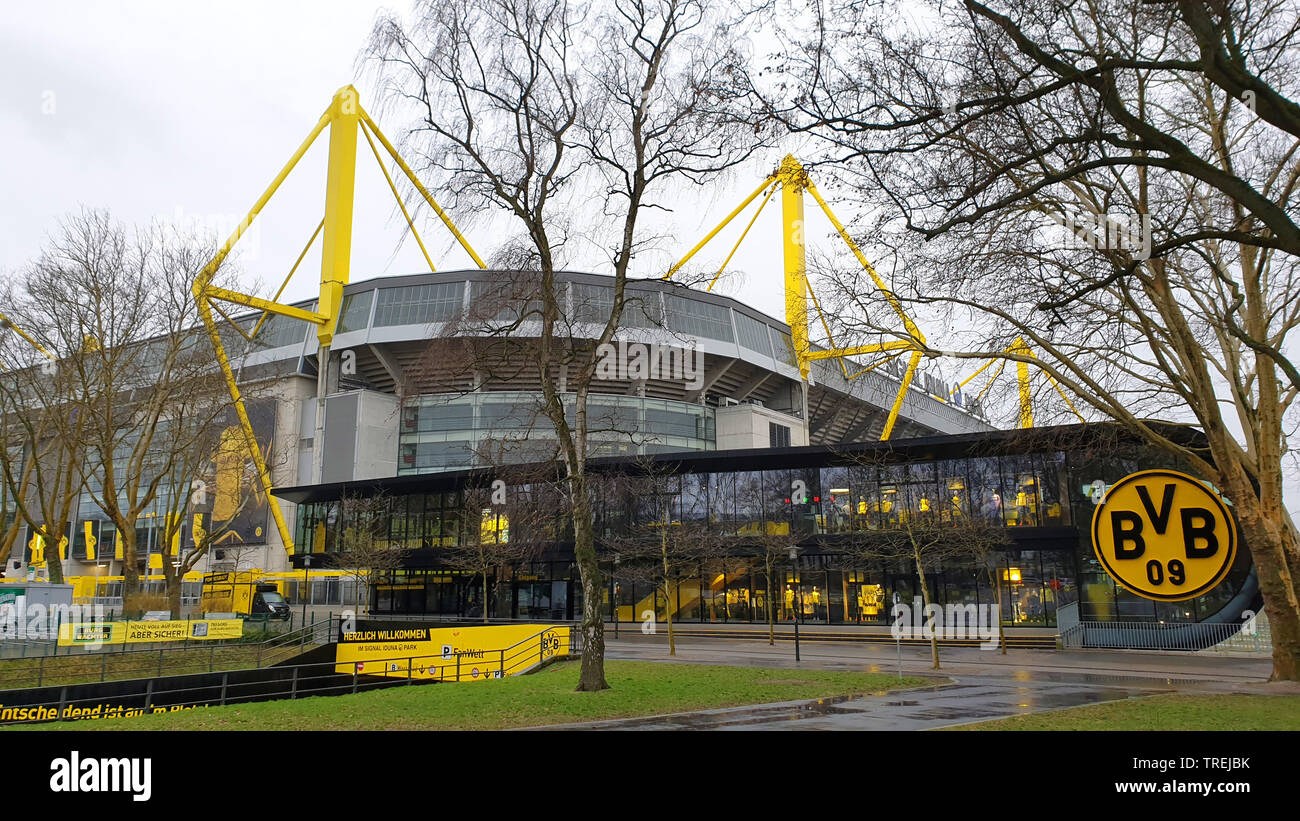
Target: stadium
x=390, y=403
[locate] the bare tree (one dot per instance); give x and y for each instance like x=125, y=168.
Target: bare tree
x=115, y=391
x=544, y=108
x=668, y=531
x=358, y=527
x=42, y=459
x=760, y=531
x=506, y=525
x=1114, y=183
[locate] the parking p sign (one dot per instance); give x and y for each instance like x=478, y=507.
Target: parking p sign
x=1164, y=535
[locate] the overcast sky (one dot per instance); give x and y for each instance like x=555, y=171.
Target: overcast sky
x=186, y=111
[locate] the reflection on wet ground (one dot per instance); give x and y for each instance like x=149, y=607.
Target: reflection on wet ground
x=922, y=709
x=983, y=685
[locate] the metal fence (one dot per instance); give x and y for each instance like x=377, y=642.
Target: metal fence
x=43, y=643
x=286, y=681
x=1138, y=635
x=134, y=661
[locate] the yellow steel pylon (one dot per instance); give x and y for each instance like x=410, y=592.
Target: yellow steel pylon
x=794, y=181
x=344, y=118
x=1018, y=348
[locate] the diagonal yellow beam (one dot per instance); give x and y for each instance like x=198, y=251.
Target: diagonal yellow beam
x=410, y=175
x=365, y=132
x=205, y=276
x=1066, y=399
x=908, y=324
x=250, y=438
x=771, y=179
x=743, y=234
x=874, y=365
x=248, y=337
x=6, y=322
x=226, y=295
x=266, y=314
x=902, y=392
x=971, y=378
x=830, y=338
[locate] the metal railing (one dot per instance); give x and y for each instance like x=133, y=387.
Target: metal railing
x=131, y=662
x=157, y=694
x=44, y=644
x=1141, y=635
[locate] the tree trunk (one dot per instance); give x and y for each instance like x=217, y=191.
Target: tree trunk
x=485, y=597
x=130, y=575
x=53, y=563
x=771, y=623
x=997, y=597
x=668, y=613
x=1277, y=583
x=668, y=601
x=925, y=598
x=592, y=627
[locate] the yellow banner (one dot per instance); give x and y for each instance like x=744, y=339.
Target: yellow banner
x=142, y=632
x=450, y=653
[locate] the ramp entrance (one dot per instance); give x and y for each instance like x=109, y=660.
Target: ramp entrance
x=415, y=651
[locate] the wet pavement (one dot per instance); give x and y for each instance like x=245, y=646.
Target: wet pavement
x=973, y=685
x=921, y=709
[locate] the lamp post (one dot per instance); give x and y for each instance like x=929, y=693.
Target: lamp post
x=614, y=593
x=306, y=585
x=794, y=577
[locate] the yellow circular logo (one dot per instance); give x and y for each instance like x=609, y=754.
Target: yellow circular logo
x=1164, y=535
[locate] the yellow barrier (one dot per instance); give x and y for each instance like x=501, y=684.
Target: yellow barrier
x=142, y=632
x=433, y=653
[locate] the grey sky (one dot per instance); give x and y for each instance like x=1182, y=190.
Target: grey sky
x=186, y=112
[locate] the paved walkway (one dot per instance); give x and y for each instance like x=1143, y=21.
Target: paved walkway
x=973, y=685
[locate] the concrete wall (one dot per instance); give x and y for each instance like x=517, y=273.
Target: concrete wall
x=746, y=426
x=360, y=436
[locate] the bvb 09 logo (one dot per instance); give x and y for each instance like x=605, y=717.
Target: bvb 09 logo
x=1164, y=535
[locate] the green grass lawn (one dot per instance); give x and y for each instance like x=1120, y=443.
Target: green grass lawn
x=80, y=668
x=546, y=697
x=1230, y=711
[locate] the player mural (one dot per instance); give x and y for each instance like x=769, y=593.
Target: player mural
x=228, y=500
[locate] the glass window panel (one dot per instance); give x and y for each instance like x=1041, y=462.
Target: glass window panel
x=279, y=331
x=690, y=316
x=782, y=346
x=1020, y=491
x=986, y=488
x=356, y=311
x=753, y=334
x=419, y=304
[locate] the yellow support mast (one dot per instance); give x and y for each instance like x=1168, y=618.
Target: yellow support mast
x=794, y=181
x=1022, y=378
x=343, y=118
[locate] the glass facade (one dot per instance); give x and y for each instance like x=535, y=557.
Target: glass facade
x=451, y=431
x=831, y=506
x=419, y=304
